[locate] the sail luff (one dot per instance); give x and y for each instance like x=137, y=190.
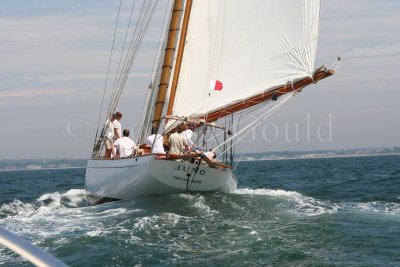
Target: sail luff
x=181, y=48
x=168, y=61
x=266, y=96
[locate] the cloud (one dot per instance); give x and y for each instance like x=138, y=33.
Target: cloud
x=54, y=57
x=375, y=51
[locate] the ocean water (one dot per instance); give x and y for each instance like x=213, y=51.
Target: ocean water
x=304, y=212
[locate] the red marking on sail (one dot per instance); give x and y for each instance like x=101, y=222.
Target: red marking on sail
x=216, y=85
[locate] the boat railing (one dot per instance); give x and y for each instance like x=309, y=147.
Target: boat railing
x=32, y=253
x=194, y=157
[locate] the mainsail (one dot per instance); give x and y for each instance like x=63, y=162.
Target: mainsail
x=250, y=46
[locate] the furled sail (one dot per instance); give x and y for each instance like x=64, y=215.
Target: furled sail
x=248, y=47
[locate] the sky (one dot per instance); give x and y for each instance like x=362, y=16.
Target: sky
x=53, y=65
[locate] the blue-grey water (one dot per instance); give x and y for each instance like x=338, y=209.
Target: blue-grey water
x=304, y=212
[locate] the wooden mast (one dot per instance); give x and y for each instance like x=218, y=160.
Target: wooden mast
x=181, y=49
x=167, y=64
x=321, y=73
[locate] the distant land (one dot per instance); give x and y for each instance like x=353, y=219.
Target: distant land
x=321, y=153
x=46, y=164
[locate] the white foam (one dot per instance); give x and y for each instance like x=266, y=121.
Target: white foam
x=44, y=204
x=202, y=206
x=71, y=198
x=96, y=232
x=264, y=191
x=199, y=203
x=17, y=208
x=113, y=212
x=303, y=204
x=173, y=218
x=375, y=207
x=143, y=222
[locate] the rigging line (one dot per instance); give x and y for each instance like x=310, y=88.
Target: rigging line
x=194, y=175
x=225, y=134
x=139, y=19
x=248, y=109
x=262, y=108
x=240, y=159
x=335, y=65
x=136, y=38
x=108, y=70
x=213, y=138
x=126, y=60
x=212, y=55
x=157, y=57
x=142, y=33
x=142, y=30
x=113, y=101
x=218, y=43
x=118, y=75
x=123, y=47
x=148, y=112
x=141, y=37
x=257, y=121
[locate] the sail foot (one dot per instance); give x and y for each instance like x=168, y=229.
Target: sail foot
x=320, y=73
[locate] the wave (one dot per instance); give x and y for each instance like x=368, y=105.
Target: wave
x=73, y=198
x=310, y=206
x=294, y=201
x=381, y=207
x=199, y=203
x=53, y=216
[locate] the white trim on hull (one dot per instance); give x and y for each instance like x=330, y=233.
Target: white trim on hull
x=146, y=175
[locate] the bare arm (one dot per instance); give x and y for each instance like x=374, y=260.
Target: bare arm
x=117, y=133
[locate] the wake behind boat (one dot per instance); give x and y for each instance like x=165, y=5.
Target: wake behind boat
x=224, y=67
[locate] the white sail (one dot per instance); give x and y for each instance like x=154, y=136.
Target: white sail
x=249, y=46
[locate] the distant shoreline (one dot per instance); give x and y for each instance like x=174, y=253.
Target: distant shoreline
x=42, y=169
x=326, y=157
x=267, y=158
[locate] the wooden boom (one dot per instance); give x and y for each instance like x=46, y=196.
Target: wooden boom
x=320, y=74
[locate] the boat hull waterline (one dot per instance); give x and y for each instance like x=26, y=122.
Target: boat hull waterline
x=125, y=179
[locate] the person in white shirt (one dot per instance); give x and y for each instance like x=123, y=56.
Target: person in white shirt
x=188, y=133
x=126, y=146
x=156, y=142
x=210, y=158
x=109, y=137
x=117, y=125
x=211, y=155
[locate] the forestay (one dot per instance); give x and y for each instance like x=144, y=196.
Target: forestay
x=249, y=46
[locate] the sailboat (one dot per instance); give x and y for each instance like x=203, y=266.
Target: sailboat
x=226, y=66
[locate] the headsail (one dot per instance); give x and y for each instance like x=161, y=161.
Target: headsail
x=249, y=46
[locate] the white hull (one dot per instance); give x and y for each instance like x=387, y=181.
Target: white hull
x=146, y=175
